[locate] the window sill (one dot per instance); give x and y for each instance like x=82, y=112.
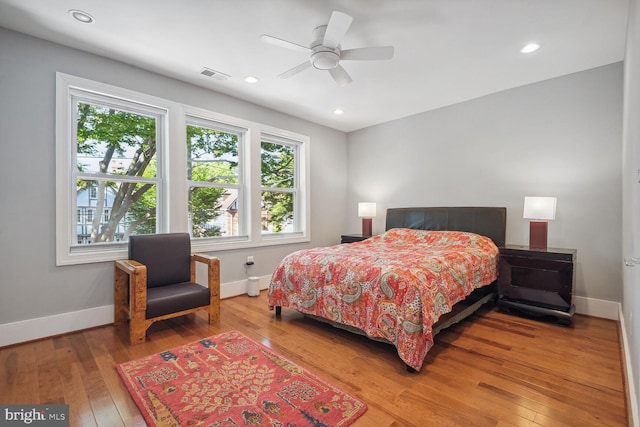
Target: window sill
x=111, y=252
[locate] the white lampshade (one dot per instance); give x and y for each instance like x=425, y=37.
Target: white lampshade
x=542, y=208
x=366, y=210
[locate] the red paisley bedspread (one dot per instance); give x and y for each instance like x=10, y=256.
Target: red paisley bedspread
x=393, y=286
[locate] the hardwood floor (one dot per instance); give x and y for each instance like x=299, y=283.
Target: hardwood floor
x=492, y=369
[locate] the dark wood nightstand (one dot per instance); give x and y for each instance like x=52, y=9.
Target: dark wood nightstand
x=350, y=238
x=538, y=281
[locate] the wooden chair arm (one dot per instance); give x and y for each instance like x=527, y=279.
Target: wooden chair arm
x=129, y=266
x=203, y=258
x=213, y=271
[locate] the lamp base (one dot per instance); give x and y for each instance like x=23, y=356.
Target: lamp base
x=367, y=227
x=538, y=235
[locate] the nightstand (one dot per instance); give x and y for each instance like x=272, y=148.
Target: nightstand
x=350, y=238
x=538, y=281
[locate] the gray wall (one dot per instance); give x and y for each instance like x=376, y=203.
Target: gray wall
x=561, y=137
x=631, y=196
x=31, y=286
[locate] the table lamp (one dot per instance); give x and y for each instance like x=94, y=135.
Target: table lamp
x=366, y=211
x=539, y=210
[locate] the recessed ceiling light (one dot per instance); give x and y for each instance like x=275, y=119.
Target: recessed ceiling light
x=338, y=111
x=531, y=47
x=81, y=16
x=251, y=79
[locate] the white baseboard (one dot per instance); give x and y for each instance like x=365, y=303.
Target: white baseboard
x=232, y=289
x=43, y=327
x=631, y=389
x=597, y=307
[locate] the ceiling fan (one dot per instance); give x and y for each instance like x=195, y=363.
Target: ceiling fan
x=325, y=52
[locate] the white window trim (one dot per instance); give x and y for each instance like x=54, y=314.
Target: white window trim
x=298, y=208
x=202, y=117
x=174, y=205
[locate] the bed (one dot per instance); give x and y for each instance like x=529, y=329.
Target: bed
x=430, y=269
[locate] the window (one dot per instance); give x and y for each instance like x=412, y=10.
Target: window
x=279, y=159
x=114, y=151
x=129, y=163
x=214, y=179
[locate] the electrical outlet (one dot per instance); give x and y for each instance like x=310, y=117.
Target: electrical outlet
x=250, y=260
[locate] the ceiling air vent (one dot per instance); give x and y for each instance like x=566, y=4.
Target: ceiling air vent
x=215, y=74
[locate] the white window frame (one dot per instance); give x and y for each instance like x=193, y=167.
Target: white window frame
x=68, y=88
x=136, y=108
x=173, y=186
x=204, y=119
x=297, y=206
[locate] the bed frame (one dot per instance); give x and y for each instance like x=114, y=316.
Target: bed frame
x=486, y=221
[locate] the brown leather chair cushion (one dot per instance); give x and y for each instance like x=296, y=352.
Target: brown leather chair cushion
x=168, y=299
x=167, y=257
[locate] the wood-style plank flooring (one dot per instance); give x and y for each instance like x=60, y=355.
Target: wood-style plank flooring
x=492, y=369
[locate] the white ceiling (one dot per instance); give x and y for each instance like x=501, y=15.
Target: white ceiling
x=446, y=51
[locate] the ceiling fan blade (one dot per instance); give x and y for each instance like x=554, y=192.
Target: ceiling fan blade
x=367, y=53
x=295, y=70
x=340, y=75
x=284, y=43
x=338, y=25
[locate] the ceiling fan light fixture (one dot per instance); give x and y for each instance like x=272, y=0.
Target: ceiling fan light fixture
x=325, y=60
x=325, y=51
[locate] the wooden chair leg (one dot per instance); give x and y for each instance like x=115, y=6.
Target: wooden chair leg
x=138, y=306
x=213, y=282
x=130, y=298
x=137, y=331
x=120, y=297
x=214, y=310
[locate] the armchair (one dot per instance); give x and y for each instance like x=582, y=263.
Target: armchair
x=158, y=282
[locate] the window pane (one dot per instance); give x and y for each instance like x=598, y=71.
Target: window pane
x=213, y=155
x=119, y=209
x=278, y=165
x=114, y=141
x=277, y=212
x=213, y=211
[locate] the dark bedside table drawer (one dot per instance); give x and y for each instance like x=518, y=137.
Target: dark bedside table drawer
x=538, y=281
x=554, y=254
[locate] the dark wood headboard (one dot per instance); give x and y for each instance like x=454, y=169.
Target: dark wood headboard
x=487, y=221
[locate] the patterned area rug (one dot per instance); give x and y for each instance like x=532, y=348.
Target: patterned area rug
x=231, y=380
